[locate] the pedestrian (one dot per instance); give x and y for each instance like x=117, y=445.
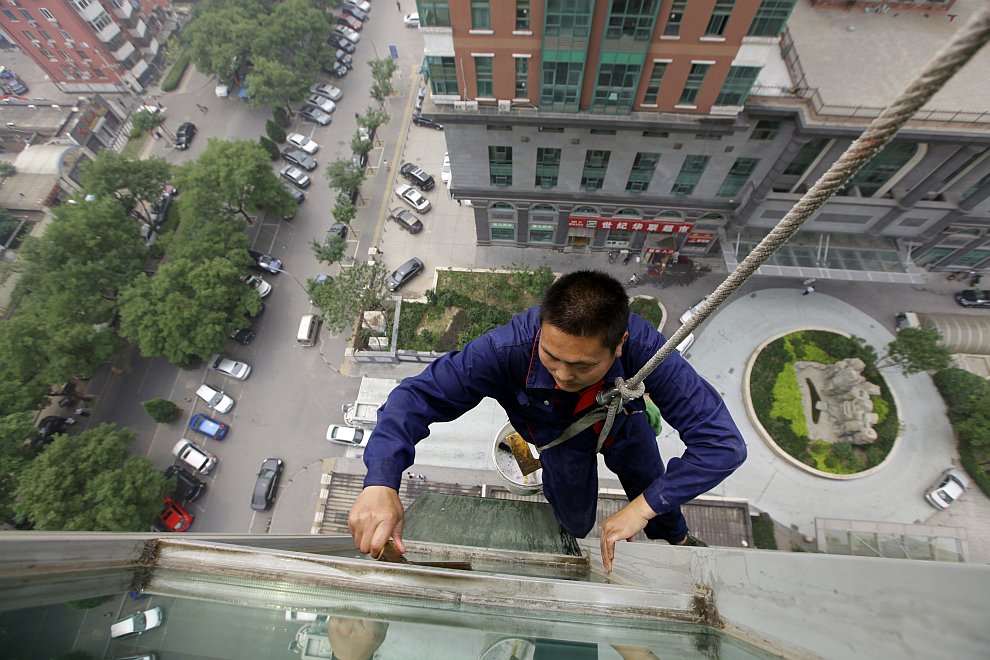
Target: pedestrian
x=159, y=104
x=411, y=475
x=808, y=289
x=156, y=133
x=202, y=108
x=634, y=279
x=82, y=412
x=385, y=164
x=398, y=6
x=421, y=477
x=545, y=368
x=809, y=281
x=357, y=117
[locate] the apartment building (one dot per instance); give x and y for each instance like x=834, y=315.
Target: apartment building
x=671, y=128
x=91, y=46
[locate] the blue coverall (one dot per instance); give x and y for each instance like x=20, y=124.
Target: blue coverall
x=503, y=364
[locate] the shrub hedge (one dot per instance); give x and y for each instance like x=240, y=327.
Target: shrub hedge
x=174, y=75
x=648, y=309
x=967, y=397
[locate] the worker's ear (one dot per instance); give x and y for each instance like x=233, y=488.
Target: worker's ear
x=618, y=349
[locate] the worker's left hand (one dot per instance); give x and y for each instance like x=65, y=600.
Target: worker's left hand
x=355, y=639
x=622, y=526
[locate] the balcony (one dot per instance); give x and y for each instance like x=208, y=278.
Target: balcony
x=90, y=11
x=124, y=51
x=139, y=67
x=139, y=30
x=124, y=11
x=108, y=32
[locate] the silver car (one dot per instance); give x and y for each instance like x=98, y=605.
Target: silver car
x=324, y=104
x=137, y=623
x=327, y=90
x=222, y=364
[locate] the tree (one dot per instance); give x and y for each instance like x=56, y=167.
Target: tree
x=331, y=251
x=7, y=170
x=274, y=131
x=187, y=310
x=272, y=83
x=359, y=145
x=131, y=181
x=344, y=210
x=144, y=121
x=162, y=411
x=90, y=482
x=270, y=147
x=382, y=70
x=16, y=434
x=358, y=288
x=221, y=35
x=373, y=118
x=207, y=231
x=281, y=117
x=915, y=350
x=343, y=176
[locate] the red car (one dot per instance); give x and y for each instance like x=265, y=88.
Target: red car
x=173, y=518
x=350, y=22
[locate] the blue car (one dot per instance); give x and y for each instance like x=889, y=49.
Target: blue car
x=208, y=427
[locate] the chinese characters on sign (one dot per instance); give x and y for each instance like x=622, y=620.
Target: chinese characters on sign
x=657, y=226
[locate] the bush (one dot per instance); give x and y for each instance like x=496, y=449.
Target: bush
x=763, y=535
x=162, y=411
x=648, y=309
x=281, y=117
x=89, y=603
x=270, y=147
x=275, y=132
x=968, y=399
x=174, y=75
x=788, y=402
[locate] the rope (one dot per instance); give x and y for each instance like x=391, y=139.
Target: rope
x=960, y=49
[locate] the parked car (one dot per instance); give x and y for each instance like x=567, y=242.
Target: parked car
x=356, y=12
x=347, y=33
x=258, y=284
x=315, y=115
x=398, y=277
x=417, y=176
x=406, y=220
x=243, y=335
x=412, y=197
x=321, y=103
x=185, y=134
x=302, y=142
x=266, y=484
x=363, y=5
x=192, y=455
x=337, y=230
x=692, y=310
x=350, y=21
x=11, y=82
x=347, y=435
x=187, y=487
x=228, y=367
x=445, y=170
x=420, y=120
x=328, y=91
x=158, y=213
x=266, y=262
x=297, y=194
x=137, y=623
x=214, y=398
x=208, y=426
x=411, y=20
x=344, y=58
x=337, y=71
x=974, y=298
x=51, y=426
x=950, y=486
x=173, y=518
x=299, y=157
x=685, y=344
x=338, y=40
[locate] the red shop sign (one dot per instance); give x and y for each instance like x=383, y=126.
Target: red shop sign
x=655, y=226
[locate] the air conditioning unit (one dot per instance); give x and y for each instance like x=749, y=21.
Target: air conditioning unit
x=504, y=106
x=471, y=106
x=460, y=105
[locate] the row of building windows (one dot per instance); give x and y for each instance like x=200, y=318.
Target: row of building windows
x=640, y=175
x=26, y=15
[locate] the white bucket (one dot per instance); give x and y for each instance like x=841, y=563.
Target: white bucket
x=505, y=462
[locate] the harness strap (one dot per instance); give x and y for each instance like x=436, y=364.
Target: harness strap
x=578, y=425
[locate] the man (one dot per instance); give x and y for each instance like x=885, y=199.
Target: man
x=545, y=368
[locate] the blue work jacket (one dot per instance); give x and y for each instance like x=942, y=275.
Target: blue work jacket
x=503, y=364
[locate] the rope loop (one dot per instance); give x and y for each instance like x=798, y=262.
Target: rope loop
x=629, y=393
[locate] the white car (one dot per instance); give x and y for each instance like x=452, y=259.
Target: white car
x=349, y=33
x=683, y=347
x=950, y=486
x=295, y=175
x=411, y=196
x=303, y=142
x=692, y=310
x=324, y=104
x=258, y=284
x=328, y=91
x=411, y=20
x=214, y=398
x=224, y=365
x=363, y=5
x=348, y=435
x=137, y=623
x=445, y=170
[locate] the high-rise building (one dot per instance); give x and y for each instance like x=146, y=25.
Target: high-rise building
x=673, y=128
x=89, y=46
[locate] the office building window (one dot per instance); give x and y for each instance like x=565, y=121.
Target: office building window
x=540, y=233
x=82, y=55
x=766, y=130
x=969, y=192
x=434, y=13
x=64, y=55
x=443, y=75
x=567, y=18
x=47, y=14
x=26, y=14
x=738, y=82
x=522, y=77
x=884, y=165
x=770, y=18
x=100, y=21
x=690, y=175
x=502, y=221
x=805, y=156
x=719, y=18
x=642, y=171
x=522, y=14
x=595, y=166
x=738, y=174
x=45, y=35
x=547, y=167
x=500, y=166
x=30, y=35
x=65, y=35
x=483, y=75
x=675, y=18
x=653, y=87
x=481, y=16
x=692, y=86
x=616, y=88
x=631, y=19
x=47, y=54
x=9, y=15
x=81, y=4
x=560, y=86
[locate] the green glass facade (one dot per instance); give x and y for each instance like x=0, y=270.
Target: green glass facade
x=566, y=27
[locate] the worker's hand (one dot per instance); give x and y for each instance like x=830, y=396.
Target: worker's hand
x=375, y=516
x=622, y=526
x=355, y=639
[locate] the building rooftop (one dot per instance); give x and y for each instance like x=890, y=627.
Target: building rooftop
x=859, y=59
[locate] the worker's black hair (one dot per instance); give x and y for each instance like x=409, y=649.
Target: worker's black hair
x=588, y=303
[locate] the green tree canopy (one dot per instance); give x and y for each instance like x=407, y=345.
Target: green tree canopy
x=131, y=181
x=915, y=350
x=358, y=288
x=330, y=251
x=145, y=120
x=343, y=176
x=374, y=117
x=272, y=83
x=208, y=230
x=221, y=34
x=382, y=70
x=187, y=310
x=90, y=482
x=344, y=210
x=16, y=433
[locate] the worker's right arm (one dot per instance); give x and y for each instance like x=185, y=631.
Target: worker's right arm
x=375, y=517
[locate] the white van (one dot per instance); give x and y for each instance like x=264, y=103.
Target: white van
x=309, y=329
x=198, y=459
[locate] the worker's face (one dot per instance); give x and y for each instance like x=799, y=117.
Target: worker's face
x=575, y=362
